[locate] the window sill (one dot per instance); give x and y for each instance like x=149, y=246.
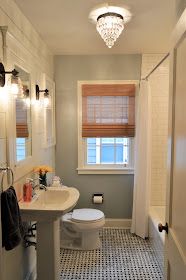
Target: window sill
x=85, y=170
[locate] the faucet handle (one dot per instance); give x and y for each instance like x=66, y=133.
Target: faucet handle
x=42, y=187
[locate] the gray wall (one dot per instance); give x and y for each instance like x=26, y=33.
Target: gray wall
x=117, y=189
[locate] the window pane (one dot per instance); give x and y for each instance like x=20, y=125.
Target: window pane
x=107, y=140
x=91, y=140
x=20, y=149
x=107, y=154
x=119, y=140
x=107, y=150
x=119, y=154
x=91, y=155
x=91, y=160
x=91, y=150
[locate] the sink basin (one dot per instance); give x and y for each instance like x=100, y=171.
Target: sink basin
x=54, y=198
x=49, y=204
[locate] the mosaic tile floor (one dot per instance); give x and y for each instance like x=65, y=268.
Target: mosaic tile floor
x=123, y=256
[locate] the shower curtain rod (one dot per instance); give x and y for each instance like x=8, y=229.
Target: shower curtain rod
x=165, y=57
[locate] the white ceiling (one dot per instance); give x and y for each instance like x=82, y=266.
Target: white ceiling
x=65, y=27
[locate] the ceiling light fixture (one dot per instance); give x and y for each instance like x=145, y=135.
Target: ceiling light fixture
x=110, y=26
x=110, y=22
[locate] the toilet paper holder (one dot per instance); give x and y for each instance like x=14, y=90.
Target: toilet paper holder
x=96, y=195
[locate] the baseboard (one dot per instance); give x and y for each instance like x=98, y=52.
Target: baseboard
x=122, y=223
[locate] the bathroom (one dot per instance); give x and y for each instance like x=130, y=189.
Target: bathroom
x=58, y=144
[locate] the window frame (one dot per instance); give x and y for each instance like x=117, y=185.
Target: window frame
x=83, y=168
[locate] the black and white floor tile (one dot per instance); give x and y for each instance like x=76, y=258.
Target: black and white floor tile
x=123, y=256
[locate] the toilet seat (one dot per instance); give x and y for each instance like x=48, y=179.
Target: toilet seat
x=86, y=215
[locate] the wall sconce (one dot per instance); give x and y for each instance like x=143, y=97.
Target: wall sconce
x=15, y=83
x=46, y=95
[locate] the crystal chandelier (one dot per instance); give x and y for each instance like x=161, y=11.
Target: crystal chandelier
x=110, y=26
x=110, y=21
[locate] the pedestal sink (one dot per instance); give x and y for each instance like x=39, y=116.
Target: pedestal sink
x=46, y=208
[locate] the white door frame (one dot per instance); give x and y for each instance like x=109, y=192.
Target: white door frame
x=171, y=240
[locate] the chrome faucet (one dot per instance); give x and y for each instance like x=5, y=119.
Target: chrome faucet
x=40, y=186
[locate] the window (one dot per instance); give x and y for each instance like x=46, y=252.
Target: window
x=23, y=129
x=23, y=148
x=106, y=128
x=107, y=151
x=20, y=149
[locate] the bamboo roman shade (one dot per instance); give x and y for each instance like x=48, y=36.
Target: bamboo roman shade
x=108, y=110
x=21, y=119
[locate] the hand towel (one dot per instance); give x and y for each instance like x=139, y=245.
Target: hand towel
x=12, y=228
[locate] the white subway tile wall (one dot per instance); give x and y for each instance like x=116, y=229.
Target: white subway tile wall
x=25, y=48
x=3, y=159
x=159, y=83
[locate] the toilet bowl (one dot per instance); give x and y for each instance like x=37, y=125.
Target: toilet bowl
x=80, y=229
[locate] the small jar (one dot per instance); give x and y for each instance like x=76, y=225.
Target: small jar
x=56, y=182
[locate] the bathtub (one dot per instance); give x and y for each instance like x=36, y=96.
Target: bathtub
x=156, y=216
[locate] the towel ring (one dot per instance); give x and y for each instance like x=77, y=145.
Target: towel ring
x=5, y=171
x=12, y=176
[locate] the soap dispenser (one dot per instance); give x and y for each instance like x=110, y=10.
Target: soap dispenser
x=27, y=191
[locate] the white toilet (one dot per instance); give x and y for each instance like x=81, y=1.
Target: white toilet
x=80, y=229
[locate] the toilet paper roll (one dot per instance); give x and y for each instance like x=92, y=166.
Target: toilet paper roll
x=98, y=199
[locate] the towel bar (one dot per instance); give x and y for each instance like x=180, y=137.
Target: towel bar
x=6, y=170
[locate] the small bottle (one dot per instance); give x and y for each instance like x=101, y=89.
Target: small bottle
x=27, y=191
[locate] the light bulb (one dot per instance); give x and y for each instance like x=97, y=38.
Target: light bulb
x=37, y=103
x=14, y=89
x=46, y=101
x=27, y=101
x=26, y=94
x=15, y=86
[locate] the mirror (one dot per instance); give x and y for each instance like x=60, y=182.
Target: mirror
x=23, y=117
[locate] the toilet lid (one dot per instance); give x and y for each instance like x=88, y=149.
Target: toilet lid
x=87, y=215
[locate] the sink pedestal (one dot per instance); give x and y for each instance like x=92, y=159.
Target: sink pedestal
x=46, y=209
x=48, y=250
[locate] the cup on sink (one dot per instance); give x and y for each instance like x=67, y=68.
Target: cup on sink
x=56, y=182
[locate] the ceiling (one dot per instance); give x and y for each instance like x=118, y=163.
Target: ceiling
x=66, y=29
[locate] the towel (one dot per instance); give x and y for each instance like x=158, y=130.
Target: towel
x=12, y=228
